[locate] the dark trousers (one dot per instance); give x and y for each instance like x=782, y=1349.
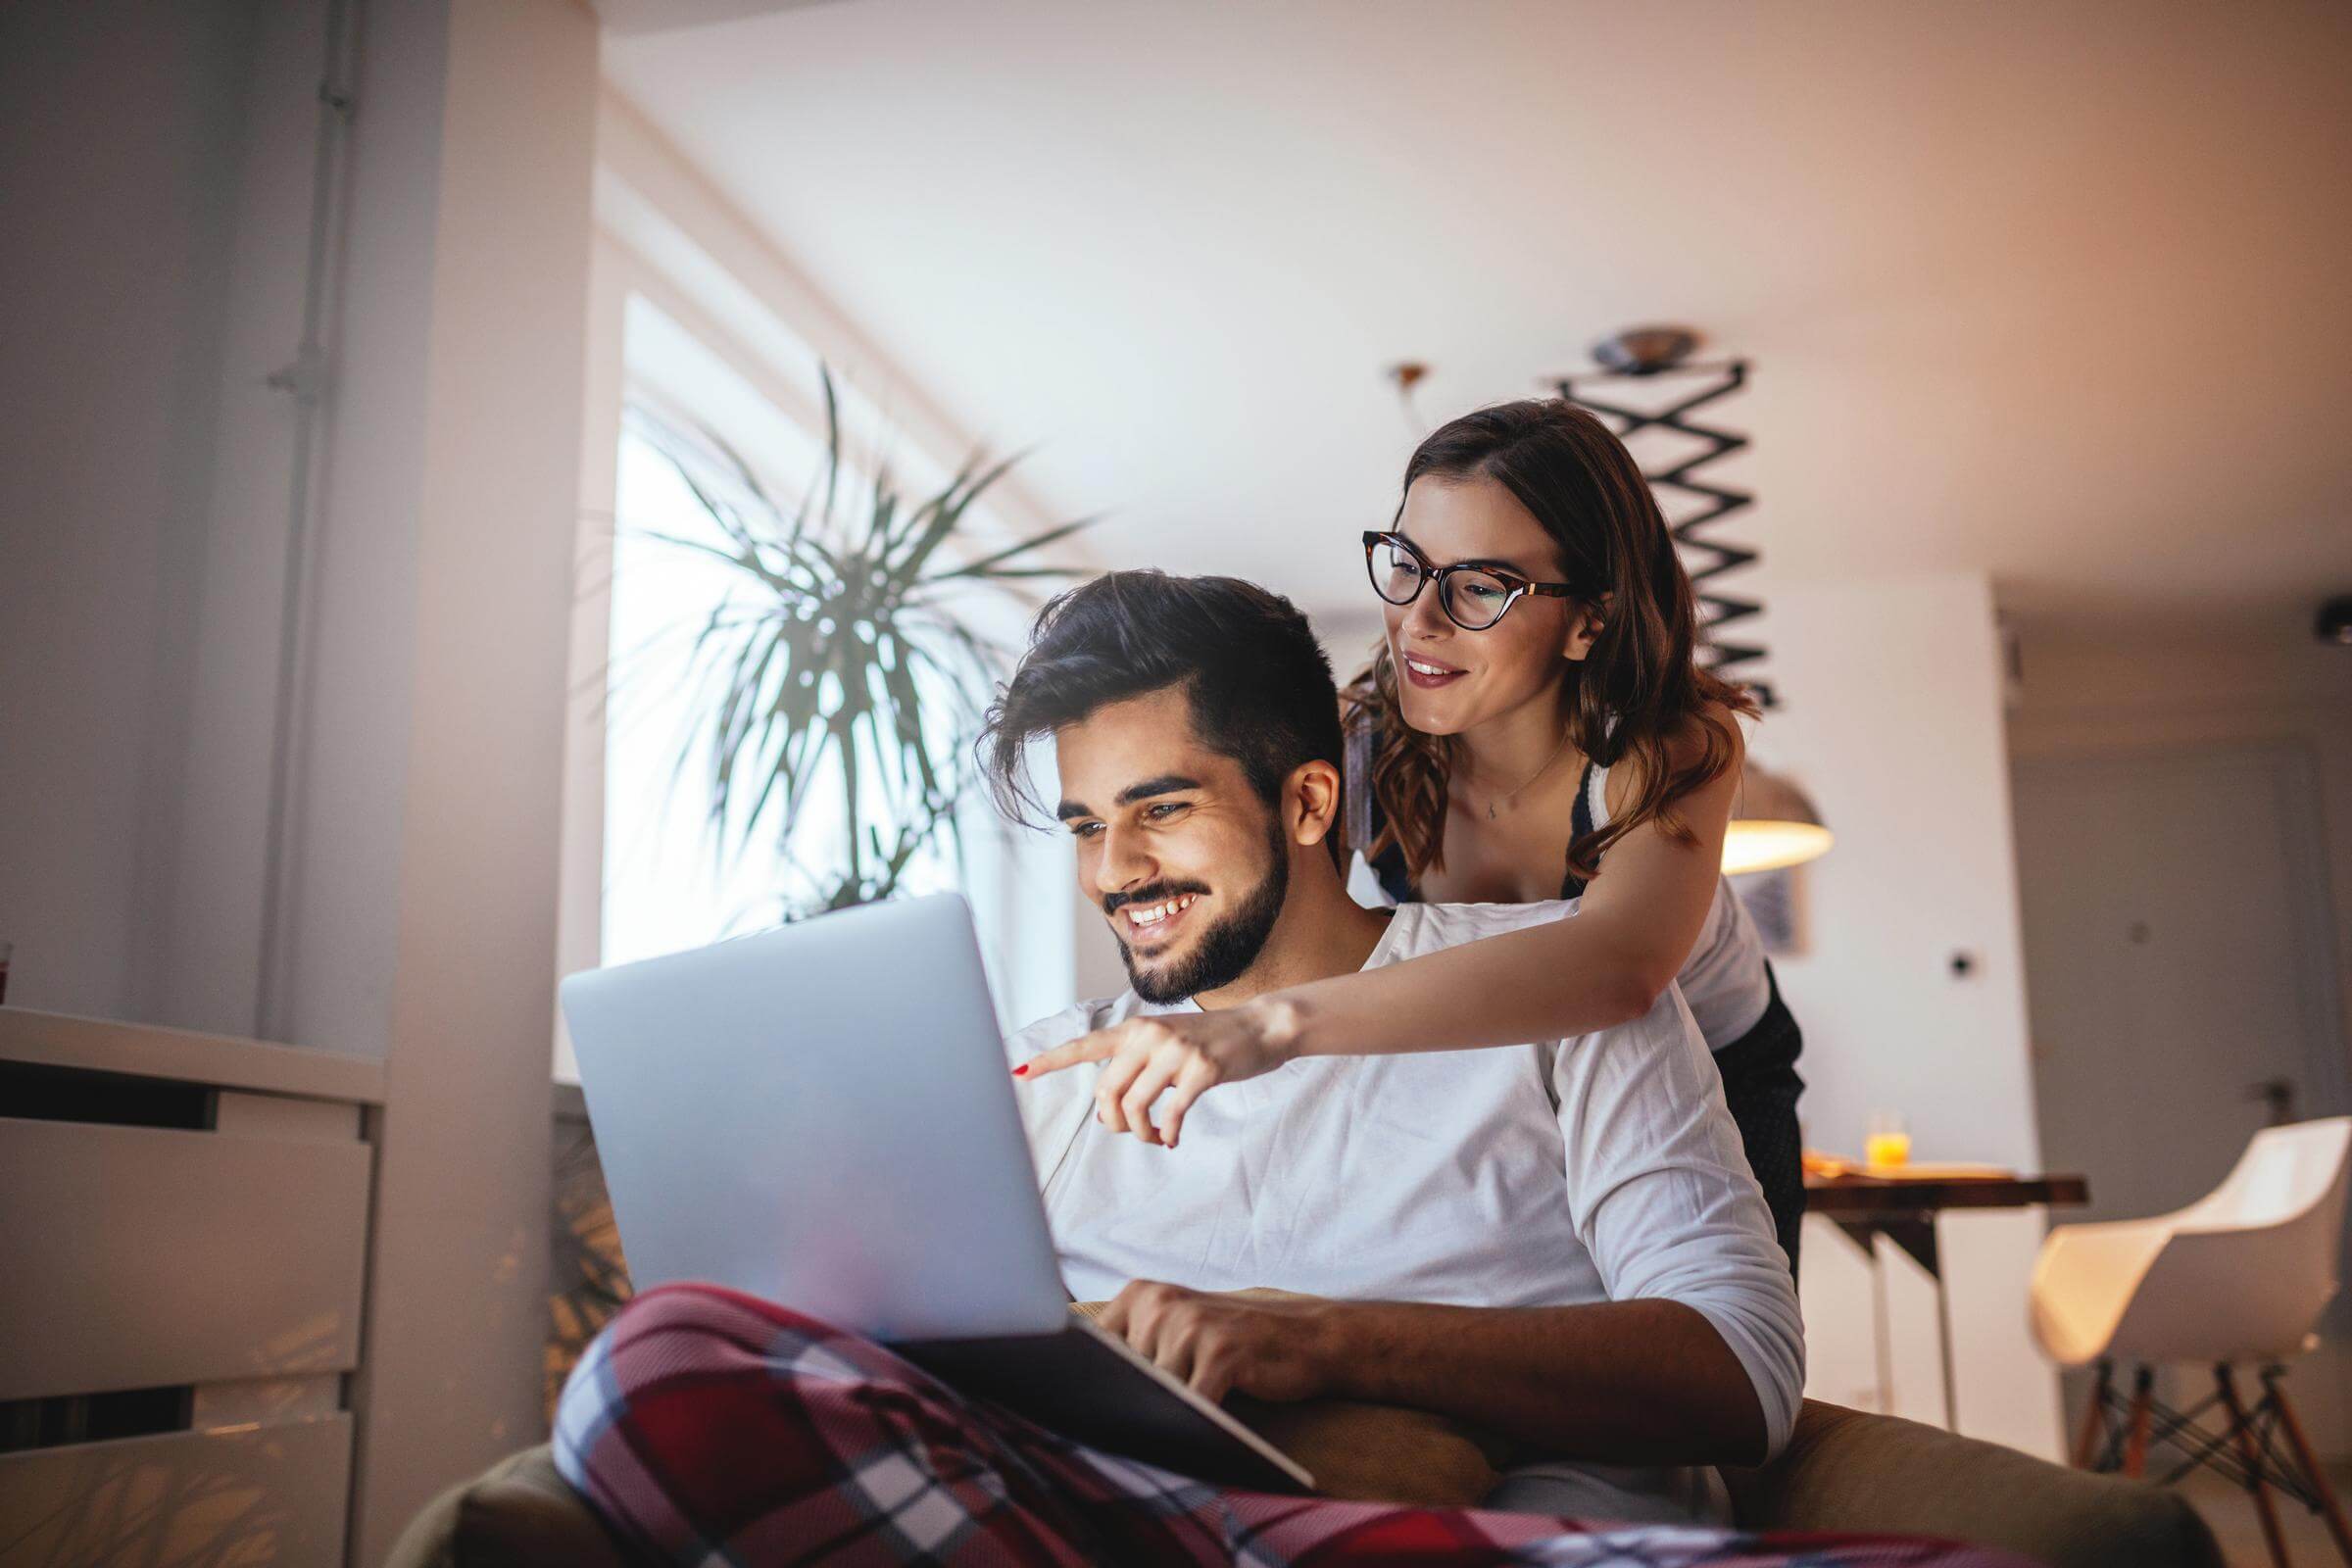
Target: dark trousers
x=1760, y=1084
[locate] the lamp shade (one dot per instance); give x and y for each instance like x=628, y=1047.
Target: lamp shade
x=1773, y=825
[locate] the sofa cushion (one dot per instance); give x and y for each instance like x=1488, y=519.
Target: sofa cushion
x=519, y=1513
x=1369, y=1452
x=1846, y=1470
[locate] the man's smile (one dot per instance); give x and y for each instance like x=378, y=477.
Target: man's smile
x=1153, y=925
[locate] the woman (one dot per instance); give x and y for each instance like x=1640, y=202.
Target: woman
x=1535, y=711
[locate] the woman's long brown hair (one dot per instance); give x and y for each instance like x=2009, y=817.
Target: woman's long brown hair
x=1636, y=695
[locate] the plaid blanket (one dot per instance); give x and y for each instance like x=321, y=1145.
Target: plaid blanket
x=709, y=1427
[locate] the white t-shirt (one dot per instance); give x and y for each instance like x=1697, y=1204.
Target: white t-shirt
x=1601, y=1167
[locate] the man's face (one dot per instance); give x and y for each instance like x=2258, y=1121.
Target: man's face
x=1184, y=860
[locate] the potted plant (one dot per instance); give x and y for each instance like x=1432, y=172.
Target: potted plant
x=836, y=670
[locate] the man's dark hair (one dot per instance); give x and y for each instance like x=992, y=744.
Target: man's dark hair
x=1259, y=685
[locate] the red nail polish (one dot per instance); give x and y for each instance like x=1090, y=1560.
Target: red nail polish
x=1022, y=1071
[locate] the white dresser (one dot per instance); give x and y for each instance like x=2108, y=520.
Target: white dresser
x=183, y=1243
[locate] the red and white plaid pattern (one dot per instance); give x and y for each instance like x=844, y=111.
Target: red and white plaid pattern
x=708, y=1427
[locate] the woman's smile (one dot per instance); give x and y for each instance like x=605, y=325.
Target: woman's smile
x=1430, y=674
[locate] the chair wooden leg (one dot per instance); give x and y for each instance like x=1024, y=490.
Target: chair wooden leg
x=2251, y=1457
x=2094, y=1418
x=2135, y=1447
x=2310, y=1462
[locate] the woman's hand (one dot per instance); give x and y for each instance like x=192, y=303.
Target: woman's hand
x=1181, y=1054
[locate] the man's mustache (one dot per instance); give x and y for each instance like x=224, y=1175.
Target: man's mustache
x=1157, y=893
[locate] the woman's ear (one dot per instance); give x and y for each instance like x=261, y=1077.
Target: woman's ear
x=1587, y=621
x=1311, y=801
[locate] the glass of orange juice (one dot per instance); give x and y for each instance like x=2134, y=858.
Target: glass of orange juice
x=1889, y=1143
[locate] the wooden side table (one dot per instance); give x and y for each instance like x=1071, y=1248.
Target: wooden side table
x=1904, y=1209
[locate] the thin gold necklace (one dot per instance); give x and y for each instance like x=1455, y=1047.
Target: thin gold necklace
x=1493, y=805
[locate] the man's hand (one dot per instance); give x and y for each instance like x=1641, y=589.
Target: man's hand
x=1270, y=1346
x=1640, y=1382
x=1181, y=1054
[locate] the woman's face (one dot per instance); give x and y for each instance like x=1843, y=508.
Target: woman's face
x=1449, y=680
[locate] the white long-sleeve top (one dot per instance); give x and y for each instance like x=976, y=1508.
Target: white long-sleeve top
x=1599, y=1167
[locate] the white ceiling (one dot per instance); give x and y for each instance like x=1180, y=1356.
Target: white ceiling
x=2056, y=291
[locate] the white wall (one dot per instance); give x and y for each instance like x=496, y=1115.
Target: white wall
x=2187, y=683
x=479, y=258
x=161, y=166
x=121, y=128
x=209, y=794
x=1892, y=722
x=158, y=161
x=579, y=918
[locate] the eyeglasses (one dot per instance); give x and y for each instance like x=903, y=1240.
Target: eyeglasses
x=1473, y=598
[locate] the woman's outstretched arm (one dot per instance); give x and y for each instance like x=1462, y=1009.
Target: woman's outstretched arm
x=1633, y=931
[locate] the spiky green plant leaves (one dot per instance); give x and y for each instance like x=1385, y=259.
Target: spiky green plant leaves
x=839, y=661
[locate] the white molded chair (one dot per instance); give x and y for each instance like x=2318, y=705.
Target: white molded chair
x=2241, y=1275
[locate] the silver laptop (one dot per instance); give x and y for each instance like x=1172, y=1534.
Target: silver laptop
x=820, y=1116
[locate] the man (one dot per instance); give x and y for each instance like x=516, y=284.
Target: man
x=1560, y=1243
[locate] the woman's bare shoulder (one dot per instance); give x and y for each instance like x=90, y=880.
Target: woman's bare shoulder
x=1715, y=725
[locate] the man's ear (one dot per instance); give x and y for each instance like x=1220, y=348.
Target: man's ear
x=1587, y=619
x=1310, y=801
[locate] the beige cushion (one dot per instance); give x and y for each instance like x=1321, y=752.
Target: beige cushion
x=519, y=1513
x=1379, y=1452
x=1846, y=1470
x=1371, y=1452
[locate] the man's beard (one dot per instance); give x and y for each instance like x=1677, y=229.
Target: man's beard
x=1226, y=949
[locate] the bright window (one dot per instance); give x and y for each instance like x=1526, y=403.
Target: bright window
x=671, y=880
